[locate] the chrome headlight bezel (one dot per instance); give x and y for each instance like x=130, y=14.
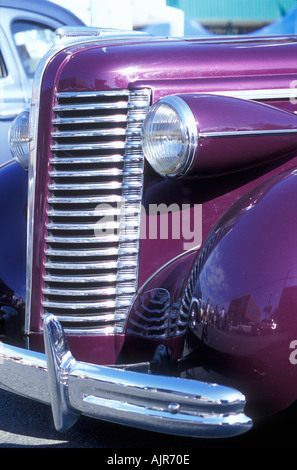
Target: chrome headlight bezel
x=170, y=137
x=19, y=138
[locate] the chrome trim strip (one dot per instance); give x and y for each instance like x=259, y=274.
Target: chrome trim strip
x=130, y=237
x=91, y=107
x=98, y=226
x=103, y=146
x=98, y=159
x=86, y=199
x=86, y=253
x=156, y=403
x=241, y=133
x=270, y=94
x=111, y=225
x=90, y=278
x=92, y=252
x=89, y=120
x=90, y=186
x=104, y=172
x=98, y=212
x=89, y=292
x=91, y=94
x=79, y=306
x=79, y=279
x=80, y=134
x=92, y=318
x=128, y=170
x=98, y=265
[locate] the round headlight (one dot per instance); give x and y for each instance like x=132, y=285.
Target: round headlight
x=19, y=138
x=170, y=137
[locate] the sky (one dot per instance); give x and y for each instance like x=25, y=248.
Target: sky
x=78, y=7
x=123, y=13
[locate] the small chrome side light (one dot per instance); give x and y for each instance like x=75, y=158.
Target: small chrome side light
x=19, y=138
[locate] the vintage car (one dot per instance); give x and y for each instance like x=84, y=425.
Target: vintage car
x=25, y=35
x=148, y=256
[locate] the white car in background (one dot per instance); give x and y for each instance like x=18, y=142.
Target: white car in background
x=27, y=31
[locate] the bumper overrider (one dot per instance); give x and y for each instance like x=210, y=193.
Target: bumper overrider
x=156, y=403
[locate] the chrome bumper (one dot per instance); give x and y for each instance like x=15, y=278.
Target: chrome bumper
x=156, y=403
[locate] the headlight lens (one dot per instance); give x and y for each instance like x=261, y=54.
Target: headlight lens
x=19, y=138
x=170, y=137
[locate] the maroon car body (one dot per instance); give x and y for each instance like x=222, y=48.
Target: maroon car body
x=174, y=274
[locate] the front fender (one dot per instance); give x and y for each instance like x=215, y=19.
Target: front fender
x=13, y=227
x=244, y=305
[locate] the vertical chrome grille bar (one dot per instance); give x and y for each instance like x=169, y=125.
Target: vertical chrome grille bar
x=94, y=208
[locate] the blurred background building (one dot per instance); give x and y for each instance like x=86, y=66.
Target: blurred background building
x=233, y=16
x=189, y=17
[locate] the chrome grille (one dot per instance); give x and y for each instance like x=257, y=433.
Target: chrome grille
x=94, y=208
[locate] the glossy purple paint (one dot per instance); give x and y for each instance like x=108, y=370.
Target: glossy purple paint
x=236, y=134
x=104, y=350
x=166, y=67
x=246, y=295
